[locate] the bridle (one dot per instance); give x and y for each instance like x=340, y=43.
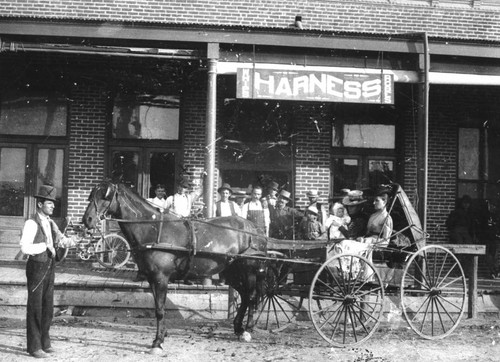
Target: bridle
x=102, y=215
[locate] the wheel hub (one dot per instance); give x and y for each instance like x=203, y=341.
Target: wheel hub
x=349, y=300
x=435, y=292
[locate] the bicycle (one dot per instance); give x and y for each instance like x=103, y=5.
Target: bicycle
x=111, y=250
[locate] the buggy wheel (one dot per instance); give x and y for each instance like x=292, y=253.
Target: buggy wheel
x=280, y=301
x=433, y=292
x=112, y=251
x=346, y=300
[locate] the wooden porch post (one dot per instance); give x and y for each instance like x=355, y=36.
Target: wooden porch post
x=423, y=133
x=210, y=128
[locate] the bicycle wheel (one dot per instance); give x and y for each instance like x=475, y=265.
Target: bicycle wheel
x=112, y=251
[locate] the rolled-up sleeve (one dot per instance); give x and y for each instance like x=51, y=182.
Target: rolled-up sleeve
x=28, y=236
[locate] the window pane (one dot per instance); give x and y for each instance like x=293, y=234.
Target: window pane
x=380, y=172
x=125, y=167
x=364, y=136
x=146, y=117
x=50, y=171
x=12, y=181
x=35, y=114
x=345, y=174
x=162, y=171
x=468, y=153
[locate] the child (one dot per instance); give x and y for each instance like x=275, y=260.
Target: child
x=338, y=217
x=310, y=228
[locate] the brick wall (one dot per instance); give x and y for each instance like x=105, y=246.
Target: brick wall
x=463, y=19
x=87, y=143
x=312, y=154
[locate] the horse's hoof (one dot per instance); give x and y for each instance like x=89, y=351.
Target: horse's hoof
x=245, y=337
x=156, y=351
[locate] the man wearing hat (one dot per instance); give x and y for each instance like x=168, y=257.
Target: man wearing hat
x=40, y=239
x=226, y=207
x=284, y=219
x=354, y=202
x=181, y=202
x=271, y=193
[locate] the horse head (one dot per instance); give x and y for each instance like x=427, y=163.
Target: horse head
x=102, y=203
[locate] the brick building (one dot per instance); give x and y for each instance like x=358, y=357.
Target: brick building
x=152, y=90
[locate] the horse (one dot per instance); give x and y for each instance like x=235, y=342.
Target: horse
x=167, y=247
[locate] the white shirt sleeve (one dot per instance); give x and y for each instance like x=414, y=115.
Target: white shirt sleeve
x=28, y=236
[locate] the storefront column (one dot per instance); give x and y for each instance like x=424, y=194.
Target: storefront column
x=210, y=128
x=423, y=133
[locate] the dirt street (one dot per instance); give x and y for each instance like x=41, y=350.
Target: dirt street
x=128, y=339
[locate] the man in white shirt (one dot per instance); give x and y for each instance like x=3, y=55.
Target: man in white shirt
x=181, y=202
x=160, y=199
x=40, y=239
x=226, y=207
x=257, y=212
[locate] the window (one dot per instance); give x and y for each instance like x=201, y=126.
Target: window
x=33, y=114
x=363, y=156
x=146, y=117
x=255, y=146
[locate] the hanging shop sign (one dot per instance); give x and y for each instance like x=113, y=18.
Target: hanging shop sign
x=305, y=85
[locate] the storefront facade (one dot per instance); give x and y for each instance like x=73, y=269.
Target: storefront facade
x=146, y=99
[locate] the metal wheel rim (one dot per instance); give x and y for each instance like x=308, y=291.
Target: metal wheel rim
x=112, y=251
x=434, y=310
x=355, y=301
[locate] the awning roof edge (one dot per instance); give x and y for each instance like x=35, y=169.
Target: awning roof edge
x=402, y=43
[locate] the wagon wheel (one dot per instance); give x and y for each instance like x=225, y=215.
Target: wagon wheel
x=112, y=251
x=281, y=301
x=346, y=300
x=433, y=292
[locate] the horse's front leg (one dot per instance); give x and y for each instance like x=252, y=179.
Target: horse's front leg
x=159, y=286
x=240, y=315
x=254, y=293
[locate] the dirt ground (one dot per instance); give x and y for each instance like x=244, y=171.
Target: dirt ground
x=128, y=339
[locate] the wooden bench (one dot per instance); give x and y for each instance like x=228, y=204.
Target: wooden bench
x=471, y=250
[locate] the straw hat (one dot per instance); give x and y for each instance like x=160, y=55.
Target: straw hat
x=354, y=197
x=285, y=194
x=313, y=210
x=312, y=193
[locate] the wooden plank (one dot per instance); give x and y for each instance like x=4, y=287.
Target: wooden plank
x=472, y=249
x=472, y=308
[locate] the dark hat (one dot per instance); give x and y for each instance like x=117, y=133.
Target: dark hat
x=354, y=197
x=225, y=186
x=273, y=185
x=47, y=192
x=285, y=194
x=183, y=183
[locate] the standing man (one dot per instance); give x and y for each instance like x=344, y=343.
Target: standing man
x=160, y=199
x=272, y=193
x=40, y=239
x=284, y=219
x=181, y=202
x=256, y=211
x=226, y=207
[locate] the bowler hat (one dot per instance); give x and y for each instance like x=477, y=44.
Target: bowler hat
x=354, y=197
x=285, y=194
x=225, y=186
x=47, y=192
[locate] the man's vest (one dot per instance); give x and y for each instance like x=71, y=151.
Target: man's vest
x=40, y=237
x=218, y=208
